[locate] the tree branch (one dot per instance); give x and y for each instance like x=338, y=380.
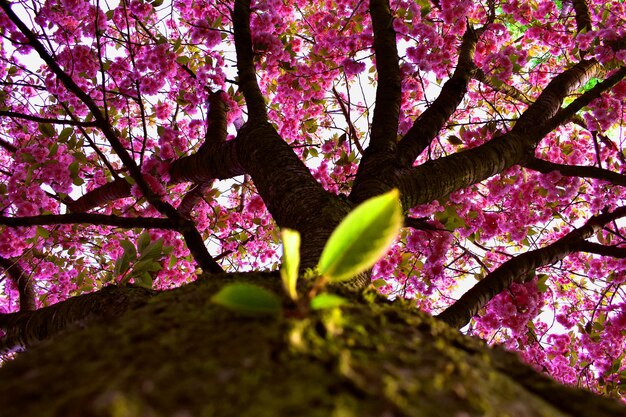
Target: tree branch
x=549, y=101
x=69, y=122
x=193, y=197
x=420, y=224
x=583, y=18
x=517, y=269
x=8, y=146
x=27, y=328
x=576, y=171
x=587, y=97
x=22, y=281
x=217, y=122
x=119, y=188
x=96, y=220
x=433, y=119
x=374, y=174
x=602, y=250
x=192, y=237
x=245, y=62
x=388, y=91
x=509, y=90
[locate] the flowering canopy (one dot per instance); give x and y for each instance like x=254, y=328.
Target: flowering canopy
x=140, y=141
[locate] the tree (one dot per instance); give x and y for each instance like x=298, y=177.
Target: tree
x=134, y=154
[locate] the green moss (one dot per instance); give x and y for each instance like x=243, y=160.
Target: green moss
x=181, y=355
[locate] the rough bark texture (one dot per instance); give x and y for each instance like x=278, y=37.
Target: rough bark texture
x=181, y=355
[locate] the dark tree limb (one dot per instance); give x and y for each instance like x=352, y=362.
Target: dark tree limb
x=517, y=269
x=380, y=157
x=96, y=220
x=220, y=163
x=549, y=101
x=192, y=237
x=193, y=197
x=217, y=122
x=509, y=90
x=27, y=328
x=39, y=119
x=438, y=178
x=545, y=167
x=8, y=146
x=583, y=18
x=420, y=224
x=388, y=91
x=433, y=119
x=583, y=100
x=603, y=250
x=245, y=62
x=116, y=189
x=22, y=281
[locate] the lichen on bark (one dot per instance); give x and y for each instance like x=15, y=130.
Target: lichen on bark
x=181, y=355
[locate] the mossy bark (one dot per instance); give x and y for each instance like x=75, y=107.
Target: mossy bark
x=181, y=355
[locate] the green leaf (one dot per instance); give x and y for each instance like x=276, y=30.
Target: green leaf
x=123, y=262
x=183, y=60
x=455, y=140
x=325, y=300
x=362, y=238
x=450, y=218
x=42, y=232
x=379, y=283
x=47, y=130
x=153, y=251
x=147, y=265
x=291, y=261
x=143, y=241
x=247, y=299
x=143, y=280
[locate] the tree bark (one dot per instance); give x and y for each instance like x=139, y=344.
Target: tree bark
x=180, y=355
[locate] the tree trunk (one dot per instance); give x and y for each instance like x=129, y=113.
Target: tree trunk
x=178, y=354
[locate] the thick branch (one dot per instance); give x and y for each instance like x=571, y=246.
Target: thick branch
x=388, y=91
x=584, y=100
x=245, y=62
x=380, y=157
x=22, y=281
x=27, y=328
x=292, y=195
x=193, y=197
x=192, y=237
x=429, y=123
x=583, y=18
x=576, y=171
x=517, y=269
x=119, y=188
x=94, y=219
x=217, y=122
x=603, y=250
x=509, y=90
x=100, y=119
x=8, y=146
x=438, y=178
x=69, y=122
x=420, y=224
x=549, y=102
